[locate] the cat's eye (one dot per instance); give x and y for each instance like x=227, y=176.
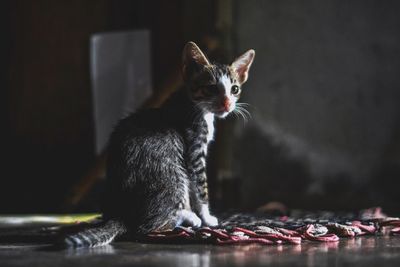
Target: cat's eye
x=235, y=90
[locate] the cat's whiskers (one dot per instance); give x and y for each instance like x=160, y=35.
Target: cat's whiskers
x=245, y=111
x=243, y=106
x=241, y=111
x=236, y=115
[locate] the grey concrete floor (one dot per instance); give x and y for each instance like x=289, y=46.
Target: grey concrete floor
x=362, y=251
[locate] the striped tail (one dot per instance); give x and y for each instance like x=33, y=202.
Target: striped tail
x=94, y=235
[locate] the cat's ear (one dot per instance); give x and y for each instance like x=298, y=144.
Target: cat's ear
x=193, y=57
x=242, y=64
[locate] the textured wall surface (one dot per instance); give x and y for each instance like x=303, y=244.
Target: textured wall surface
x=325, y=95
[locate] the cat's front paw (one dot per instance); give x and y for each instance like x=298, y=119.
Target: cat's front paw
x=209, y=220
x=206, y=217
x=188, y=218
x=194, y=220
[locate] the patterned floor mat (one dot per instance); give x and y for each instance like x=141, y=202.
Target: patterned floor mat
x=300, y=226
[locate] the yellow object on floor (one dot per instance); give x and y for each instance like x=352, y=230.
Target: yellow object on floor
x=20, y=220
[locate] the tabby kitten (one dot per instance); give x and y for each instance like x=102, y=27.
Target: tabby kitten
x=156, y=167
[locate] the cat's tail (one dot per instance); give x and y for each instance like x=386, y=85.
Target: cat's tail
x=94, y=235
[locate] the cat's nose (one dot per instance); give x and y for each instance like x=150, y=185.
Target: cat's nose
x=226, y=103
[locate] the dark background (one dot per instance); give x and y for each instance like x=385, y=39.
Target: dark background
x=324, y=94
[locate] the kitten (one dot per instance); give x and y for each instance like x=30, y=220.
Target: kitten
x=156, y=167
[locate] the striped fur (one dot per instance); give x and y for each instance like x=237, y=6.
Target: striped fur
x=94, y=235
x=156, y=167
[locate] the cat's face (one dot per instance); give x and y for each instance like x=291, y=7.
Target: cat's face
x=214, y=88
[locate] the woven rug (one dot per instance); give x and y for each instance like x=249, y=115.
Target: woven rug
x=300, y=226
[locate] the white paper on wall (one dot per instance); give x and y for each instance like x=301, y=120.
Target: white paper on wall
x=120, y=69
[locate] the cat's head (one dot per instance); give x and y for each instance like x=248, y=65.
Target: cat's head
x=214, y=87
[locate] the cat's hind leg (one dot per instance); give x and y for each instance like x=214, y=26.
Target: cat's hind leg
x=168, y=206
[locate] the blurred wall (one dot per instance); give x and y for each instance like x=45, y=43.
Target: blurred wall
x=48, y=119
x=325, y=93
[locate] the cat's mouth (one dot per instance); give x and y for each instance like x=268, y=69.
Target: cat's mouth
x=221, y=112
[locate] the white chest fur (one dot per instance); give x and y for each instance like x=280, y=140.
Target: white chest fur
x=209, y=118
